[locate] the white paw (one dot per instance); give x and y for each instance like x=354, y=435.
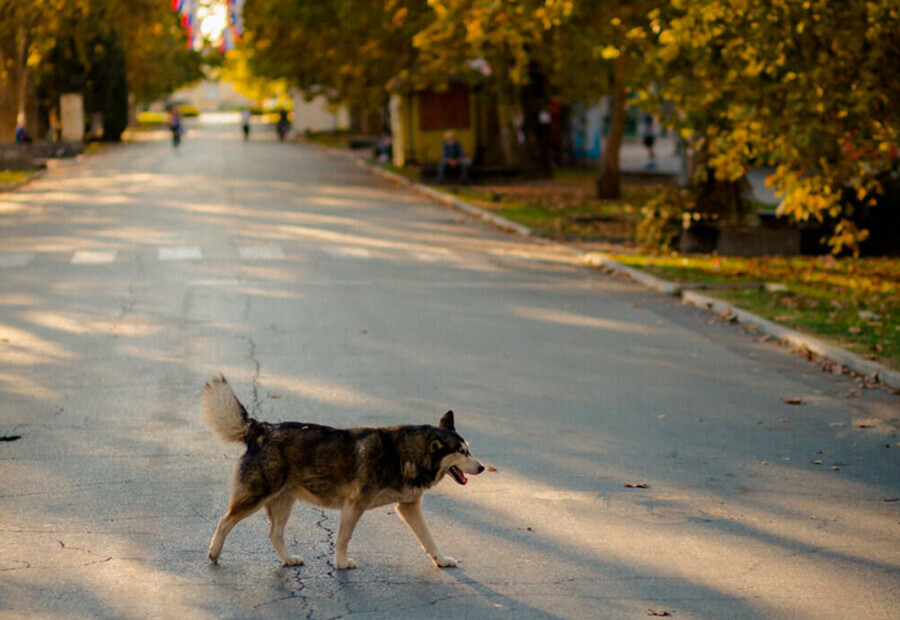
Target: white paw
x=444, y=561
x=345, y=564
x=293, y=560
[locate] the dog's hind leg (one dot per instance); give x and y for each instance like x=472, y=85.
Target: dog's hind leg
x=350, y=515
x=278, y=510
x=411, y=513
x=239, y=508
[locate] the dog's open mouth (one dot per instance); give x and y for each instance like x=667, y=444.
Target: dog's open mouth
x=457, y=474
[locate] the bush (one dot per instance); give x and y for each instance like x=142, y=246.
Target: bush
x=661, y=224
x=188, y=110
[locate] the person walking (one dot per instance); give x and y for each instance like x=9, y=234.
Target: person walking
x=649, y=139
x=245, y=122
x=175, y=125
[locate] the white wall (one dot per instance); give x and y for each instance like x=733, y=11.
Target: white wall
x=317, y=115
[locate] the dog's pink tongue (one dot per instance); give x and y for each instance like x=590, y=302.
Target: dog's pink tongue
x=459, y=476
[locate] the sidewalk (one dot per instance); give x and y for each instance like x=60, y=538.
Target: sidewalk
x=800, y=342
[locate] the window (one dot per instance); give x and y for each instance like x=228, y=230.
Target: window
x=447, y=109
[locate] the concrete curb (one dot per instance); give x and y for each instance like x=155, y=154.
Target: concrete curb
x=600, y=260
x=496, y=220
x=856, y=363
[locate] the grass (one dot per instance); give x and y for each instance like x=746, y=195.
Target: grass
x=854, y=303
x=12, y=176
x=331, y=139
x=564, y=208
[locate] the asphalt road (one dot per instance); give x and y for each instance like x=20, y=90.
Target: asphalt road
x=328, y=295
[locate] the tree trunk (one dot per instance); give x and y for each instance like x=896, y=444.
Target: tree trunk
x=21, y=71
x=723, y=201
x=509, y=141
x=609, y=177
x=535, y=100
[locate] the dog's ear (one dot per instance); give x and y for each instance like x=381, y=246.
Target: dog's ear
x=447, y=421
x=435, y=445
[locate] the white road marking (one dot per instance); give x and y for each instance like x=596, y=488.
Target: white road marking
x=15, y=260
x=349, y=252
x=180, y=253
x=438, y=255
x=261, y=252
x=94, y=257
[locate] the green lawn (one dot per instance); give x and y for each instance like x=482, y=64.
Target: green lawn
x=11, y=176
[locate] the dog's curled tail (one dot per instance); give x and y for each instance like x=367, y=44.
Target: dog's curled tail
x=223, y=412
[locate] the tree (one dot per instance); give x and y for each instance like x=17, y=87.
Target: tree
x=805, y=87
x=614, y=34
x=119, y=45
x=347, y=50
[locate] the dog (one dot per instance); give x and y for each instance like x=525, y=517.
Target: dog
x=353, y=470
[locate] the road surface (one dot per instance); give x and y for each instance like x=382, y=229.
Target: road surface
x=328, y=295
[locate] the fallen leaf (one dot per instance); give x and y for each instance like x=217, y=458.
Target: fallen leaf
x=661, y=416
x=491, y=468
x=637, y=485
x=793, y=401
x=816, y=461
x=276, y=396
x=661, y=613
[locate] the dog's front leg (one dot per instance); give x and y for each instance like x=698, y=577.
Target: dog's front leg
x=411, y=513
x=350, y=515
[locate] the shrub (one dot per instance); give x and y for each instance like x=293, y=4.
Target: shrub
x=661, y=224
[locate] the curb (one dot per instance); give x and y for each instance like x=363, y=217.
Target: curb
x=804, y=342
x=857, y=364
x=496, y=220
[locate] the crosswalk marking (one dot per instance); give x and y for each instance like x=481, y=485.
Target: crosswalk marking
x=94, y=257
x=273, y=252
x=180, y=253
x=261, y=252
x=15, y=260
x=349, y=252
x=437, y=255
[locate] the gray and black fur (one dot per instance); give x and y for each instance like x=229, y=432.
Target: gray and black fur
x=352, y=470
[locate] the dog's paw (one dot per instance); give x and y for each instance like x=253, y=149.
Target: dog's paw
x=213, y=557
x=345, y=564
x=293, y=560
x=444, y=561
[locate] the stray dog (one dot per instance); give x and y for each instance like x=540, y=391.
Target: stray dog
x=353, y=470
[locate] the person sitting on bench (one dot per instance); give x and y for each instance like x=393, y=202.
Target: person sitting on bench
x=452, y=155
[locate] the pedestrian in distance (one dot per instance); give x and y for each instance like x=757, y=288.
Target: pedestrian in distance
x=245, y=123
x=176, y=125
x=453, y=156
x=283, y=125
x=649, y=139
